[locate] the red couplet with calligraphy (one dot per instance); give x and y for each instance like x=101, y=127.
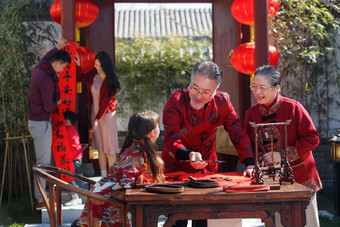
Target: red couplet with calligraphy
x=67, y=86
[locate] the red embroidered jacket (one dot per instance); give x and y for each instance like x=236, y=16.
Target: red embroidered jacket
x=195, y=130
x=106, y=103
x=302, y=136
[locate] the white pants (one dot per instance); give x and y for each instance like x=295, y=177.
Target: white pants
x=312, y=215
x=41, y=132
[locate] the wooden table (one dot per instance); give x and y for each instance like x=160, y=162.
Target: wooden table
x=213, y=203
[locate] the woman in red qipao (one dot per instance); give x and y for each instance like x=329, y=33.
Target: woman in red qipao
x=138, y=150
x=302, y=137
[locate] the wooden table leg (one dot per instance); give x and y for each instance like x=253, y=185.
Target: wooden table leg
x=294, y=214
x=139, y=216
x=298, y=214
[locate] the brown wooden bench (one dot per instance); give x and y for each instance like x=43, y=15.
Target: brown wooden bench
x=52, y=176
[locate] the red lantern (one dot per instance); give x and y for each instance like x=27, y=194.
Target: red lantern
x=243, y=10
x=86, y=57
x=86, y=12
x=273, y=55
x=243, y=57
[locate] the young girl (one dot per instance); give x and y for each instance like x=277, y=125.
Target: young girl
x=138, y=151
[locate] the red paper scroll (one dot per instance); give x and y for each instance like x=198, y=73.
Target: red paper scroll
x=67, y=86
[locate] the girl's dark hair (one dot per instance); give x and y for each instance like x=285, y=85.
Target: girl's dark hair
x=107, y=66
x=70, y=115
x=140, y=124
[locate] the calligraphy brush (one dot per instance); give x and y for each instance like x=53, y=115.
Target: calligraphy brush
x=203, y=161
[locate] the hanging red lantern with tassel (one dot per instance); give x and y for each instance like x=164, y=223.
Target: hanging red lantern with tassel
x=86, y=12
x=243, y=57
x=86, y=57
x=243, y=10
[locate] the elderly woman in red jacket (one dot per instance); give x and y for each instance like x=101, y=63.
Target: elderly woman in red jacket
x=103, y=85
x=302, y=136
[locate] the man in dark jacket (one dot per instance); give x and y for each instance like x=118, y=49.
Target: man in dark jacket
x=44, y=96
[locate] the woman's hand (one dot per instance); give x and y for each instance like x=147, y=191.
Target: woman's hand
x=77, y=60
x=95, y=126
x=196, y=160
x=269, y=160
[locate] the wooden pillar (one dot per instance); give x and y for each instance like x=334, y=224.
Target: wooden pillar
x=68, y=20
x=225, y=39
x=261, y=33
x=244, y=90
x=100, y=34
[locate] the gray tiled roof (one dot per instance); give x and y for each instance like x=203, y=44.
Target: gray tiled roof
x=189, y=22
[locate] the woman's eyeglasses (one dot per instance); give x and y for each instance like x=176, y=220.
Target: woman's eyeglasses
x=261, y=89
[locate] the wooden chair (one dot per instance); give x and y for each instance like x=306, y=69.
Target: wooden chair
x=52, y=176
